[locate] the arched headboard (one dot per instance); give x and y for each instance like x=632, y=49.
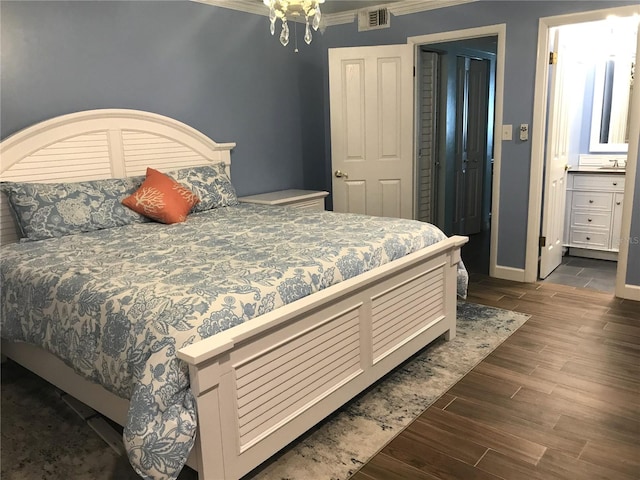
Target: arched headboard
x=97, y=144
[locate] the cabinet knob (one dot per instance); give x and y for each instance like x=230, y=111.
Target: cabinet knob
x=588, y=238
x=590, y=201
x=588, y=219
x=618, y=203
x=615, y=183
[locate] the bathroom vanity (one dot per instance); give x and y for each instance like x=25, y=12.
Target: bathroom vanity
x=593, y=220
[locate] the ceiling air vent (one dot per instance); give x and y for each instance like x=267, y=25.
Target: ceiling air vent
x=373, y=19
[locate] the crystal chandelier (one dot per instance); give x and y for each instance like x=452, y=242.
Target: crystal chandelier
x=290, y=10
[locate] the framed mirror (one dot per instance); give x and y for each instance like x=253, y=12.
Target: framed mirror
x=613, y=84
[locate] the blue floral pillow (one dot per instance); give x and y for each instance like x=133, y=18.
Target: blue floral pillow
x=210, y=183
x=46, y=210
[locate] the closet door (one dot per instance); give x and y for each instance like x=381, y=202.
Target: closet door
x=472, y=93
x=428, y=165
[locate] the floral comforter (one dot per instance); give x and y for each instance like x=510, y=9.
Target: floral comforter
x=116, y=304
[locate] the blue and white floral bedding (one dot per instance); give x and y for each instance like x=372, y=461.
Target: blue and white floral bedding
x=116, y=304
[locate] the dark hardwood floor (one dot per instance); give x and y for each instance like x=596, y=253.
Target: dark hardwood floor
x=559, y=399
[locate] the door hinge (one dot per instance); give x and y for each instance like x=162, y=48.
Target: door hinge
x=553, y=58
x=542, y=241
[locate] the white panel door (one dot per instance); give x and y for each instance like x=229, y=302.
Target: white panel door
x=561, y=99
x=371, y=102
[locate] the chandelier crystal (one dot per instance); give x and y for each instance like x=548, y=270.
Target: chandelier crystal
x=290, y=10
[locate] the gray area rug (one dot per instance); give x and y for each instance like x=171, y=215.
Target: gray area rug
x=42, y=438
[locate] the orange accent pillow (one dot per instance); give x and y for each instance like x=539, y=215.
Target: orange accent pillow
x=161, y=198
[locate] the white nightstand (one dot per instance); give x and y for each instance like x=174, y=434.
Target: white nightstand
x=302, y=199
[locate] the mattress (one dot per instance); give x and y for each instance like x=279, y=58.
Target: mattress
x=116, y=304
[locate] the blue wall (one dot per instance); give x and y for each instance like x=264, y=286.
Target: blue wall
x=221, y=72
x=215, y=69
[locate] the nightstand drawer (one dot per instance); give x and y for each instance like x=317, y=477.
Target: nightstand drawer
x=592, y=200
x=316, y=205
x=585, y=238
x=590, y=219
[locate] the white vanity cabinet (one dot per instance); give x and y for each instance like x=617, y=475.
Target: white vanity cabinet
x=594, y=214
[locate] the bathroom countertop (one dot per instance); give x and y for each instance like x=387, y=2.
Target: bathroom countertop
x=620, y=171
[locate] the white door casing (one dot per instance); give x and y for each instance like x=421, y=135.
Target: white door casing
x=499, y=31
x=553, y=210
x=538, y=140
x=371, y=112
x=624, y=290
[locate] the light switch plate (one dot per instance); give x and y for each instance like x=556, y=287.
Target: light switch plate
x=507, y=132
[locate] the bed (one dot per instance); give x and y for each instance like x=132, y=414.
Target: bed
x=239, y=328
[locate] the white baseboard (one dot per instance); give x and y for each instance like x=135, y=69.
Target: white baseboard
x=589, y=253
x=508, y=273
x=630, y=292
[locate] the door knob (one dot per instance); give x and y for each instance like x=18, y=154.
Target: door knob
x=340, y=174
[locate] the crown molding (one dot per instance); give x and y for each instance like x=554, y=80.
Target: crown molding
x=339, y=18
x=407, y=7
x=404, y=7
x=248, y=6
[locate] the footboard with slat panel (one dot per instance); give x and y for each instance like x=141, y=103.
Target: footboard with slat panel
x=268, y=382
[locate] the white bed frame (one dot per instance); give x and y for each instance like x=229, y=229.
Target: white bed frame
x=263, y=383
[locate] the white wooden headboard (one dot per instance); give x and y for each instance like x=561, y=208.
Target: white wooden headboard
x=97, y=144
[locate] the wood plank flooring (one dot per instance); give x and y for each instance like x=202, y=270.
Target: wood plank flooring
x=559, y=399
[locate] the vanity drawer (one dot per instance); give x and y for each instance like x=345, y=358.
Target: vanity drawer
x=589, y=239
x=592, y=200
x=590, y=219
x=611, y=182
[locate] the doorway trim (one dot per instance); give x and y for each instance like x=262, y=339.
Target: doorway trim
x=499, y=31
x=632, y=292
x=539, y=141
